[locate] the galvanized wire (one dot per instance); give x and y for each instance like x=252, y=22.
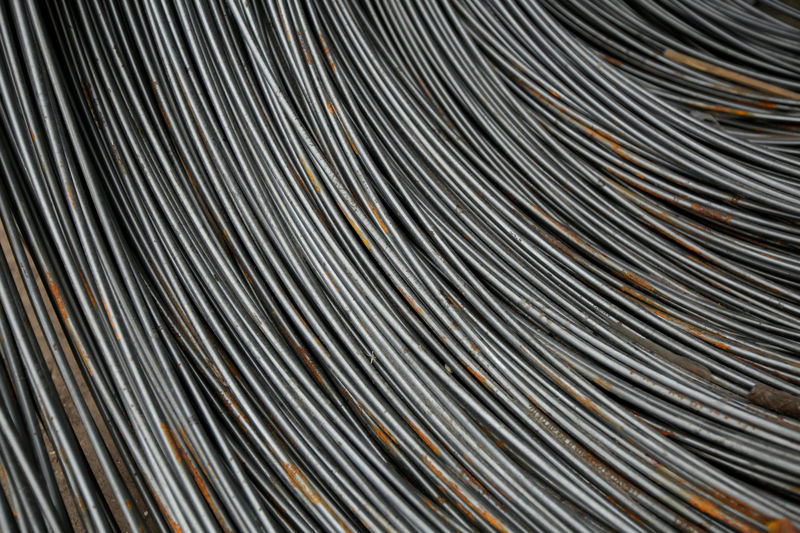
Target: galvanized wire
x=516, y=266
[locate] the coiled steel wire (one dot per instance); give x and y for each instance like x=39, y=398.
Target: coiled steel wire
x=515, y=266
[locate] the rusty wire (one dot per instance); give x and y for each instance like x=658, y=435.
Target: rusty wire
x=515, y=266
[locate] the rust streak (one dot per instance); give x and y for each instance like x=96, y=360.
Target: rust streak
x=781, y=525
x=637, y=280
x=423, y=437
x=709, y=508
x=709, y=213
x=110, y=320
x=299, y=481
x=88, y=289
x=172, y=442
x=725, y=109
x=171, y=521
x=378, y=218
x=410, y=301
x=327, y=52
x=494, y=522
x=476, y=375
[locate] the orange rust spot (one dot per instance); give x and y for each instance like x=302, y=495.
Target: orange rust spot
x=385, y=431
x=718, y=344
x=88, y=289
x=602, y=135
x=683, y=243
x=741, y=506
x=327, y=52
x=731, y=88
x=725, y=109
x=381, y=435
x=709, y=508
x=283, y=21
x=350, y=399
x=310, y=174
x=637, y=280
x=229, y=364
x=555, y=94
x=624, y=509
x=705, y=335
x=613, y=61
x=59, y=302
x=119, y=159
x=603, y=383
x=423, y=437
x=327, y=274
x=194, y=116
x=781, y=525
x=171, y=441
x=62, y=309
x=378, y=218
x=300, y=180
x=299, y=481
x=86, y=87
x=476, y=375
x=636, y=184
x=110, y=320
x=353, y=146
x=583, y=399
x=482, y=512
x=477, y=484
x=355, y=227
x=303, y=46
x=69, y=193
x=465, y=511
x=631, y=514
x=153, y=85
x=191, y=178
x=530, y=89
x=606, y=137
x=589, y=403
x=233, y=406
x=558, y=244
x=302, y=351
x=455, y=305
x=330, y=108
x=311, y=366
x=172, y=523
x=709, y=213
x=422, y=86
x=198, y=479
x=410, y=301
x=569, y=233
x=432, y=467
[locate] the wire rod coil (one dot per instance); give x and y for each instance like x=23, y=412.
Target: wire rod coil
x=400, y=266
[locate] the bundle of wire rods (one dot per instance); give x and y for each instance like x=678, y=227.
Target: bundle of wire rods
x=400, y=266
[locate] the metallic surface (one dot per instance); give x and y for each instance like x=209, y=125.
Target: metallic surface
x=429, y=266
